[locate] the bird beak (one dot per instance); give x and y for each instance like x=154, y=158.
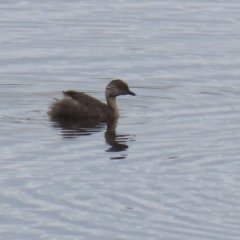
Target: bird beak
x=131, y=93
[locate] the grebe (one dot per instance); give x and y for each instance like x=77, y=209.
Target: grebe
x=79, y=104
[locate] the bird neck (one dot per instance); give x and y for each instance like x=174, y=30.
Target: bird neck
x=111, y=102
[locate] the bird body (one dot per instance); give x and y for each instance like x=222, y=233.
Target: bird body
x=82, y=105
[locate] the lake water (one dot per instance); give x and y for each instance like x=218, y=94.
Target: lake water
x=170, y=170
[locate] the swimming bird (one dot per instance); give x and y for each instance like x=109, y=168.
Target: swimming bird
x=82, y=105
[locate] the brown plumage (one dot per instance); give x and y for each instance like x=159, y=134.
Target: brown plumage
x=79, y=104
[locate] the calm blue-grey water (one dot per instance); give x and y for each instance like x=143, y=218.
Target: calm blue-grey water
x=170, y=170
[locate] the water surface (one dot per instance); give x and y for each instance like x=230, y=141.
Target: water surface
x=168, y=168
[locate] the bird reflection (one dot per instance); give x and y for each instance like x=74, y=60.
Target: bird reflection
x=74, y=127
